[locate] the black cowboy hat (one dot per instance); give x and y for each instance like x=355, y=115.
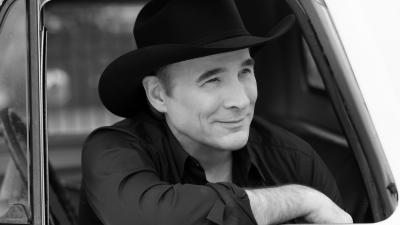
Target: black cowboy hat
x=169, y=31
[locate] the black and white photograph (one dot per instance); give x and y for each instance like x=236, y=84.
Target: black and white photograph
x=199, y=112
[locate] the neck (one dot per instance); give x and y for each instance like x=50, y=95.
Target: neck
x=210, y=158
x=217, y=163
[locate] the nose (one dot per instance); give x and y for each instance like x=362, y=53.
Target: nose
x=237, y=97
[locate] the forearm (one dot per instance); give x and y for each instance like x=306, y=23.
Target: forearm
x=137, y=202
x=279, y=204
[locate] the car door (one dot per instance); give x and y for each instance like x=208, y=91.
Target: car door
x=23, y=174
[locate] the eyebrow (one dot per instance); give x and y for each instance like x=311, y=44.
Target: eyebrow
x=209, y=73
x=248, y=62
x=212, y=72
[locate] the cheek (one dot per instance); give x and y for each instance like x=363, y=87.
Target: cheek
x=202, y=99
x=200, y=105
x=251, y=90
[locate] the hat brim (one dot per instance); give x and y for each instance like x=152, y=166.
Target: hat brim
x=120, y=86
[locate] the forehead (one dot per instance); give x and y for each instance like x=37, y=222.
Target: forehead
x=199, y=65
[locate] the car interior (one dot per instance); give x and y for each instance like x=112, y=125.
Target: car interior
x=293, y=96
x=83, y=37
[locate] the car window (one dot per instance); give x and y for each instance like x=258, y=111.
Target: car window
x=351, y=101
x=82, y=38
x=14, y=177
x=372, y=46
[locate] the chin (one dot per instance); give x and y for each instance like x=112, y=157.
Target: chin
x=234, y=141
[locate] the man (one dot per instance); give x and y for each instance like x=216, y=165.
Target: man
x=189, y=151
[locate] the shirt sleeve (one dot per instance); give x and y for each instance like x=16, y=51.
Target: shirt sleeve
x=123, y=187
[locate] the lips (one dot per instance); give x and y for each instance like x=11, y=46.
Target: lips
x=232, y=123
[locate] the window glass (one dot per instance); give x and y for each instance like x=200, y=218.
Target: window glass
x=82, y=39
x=14, y=180
x=370, y=35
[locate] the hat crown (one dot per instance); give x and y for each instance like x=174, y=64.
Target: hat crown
x=170, y=31
x=193, y=22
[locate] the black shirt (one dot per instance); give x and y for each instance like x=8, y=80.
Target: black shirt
x=136, y=172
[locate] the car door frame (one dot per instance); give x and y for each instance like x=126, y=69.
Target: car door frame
x=37, y=154
x=329, y=54
x=37, y=115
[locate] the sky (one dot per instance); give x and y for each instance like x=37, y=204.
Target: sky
x=370, y=33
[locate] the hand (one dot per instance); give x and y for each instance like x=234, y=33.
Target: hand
x=323, y=210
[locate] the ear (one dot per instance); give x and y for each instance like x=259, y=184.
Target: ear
x=155, y=92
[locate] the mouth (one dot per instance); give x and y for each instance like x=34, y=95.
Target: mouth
x=233, y=123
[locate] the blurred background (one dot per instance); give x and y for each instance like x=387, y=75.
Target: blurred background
x=83, y=37
x=82, y=40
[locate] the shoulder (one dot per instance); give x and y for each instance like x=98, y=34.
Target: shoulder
x=141, y=126
x=274, y=138
x=121, y=132
x=119, y=149
x=132, y=133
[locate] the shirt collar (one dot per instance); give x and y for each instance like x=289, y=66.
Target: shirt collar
x=179, y=154
x=254, y=141
x=243, y=158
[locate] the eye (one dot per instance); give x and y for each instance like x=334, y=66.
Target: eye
x=212, y=81
x=246, y=72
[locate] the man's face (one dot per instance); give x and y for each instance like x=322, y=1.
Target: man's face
x=212, y=101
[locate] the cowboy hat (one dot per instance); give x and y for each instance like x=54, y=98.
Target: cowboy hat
x=170, y=31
